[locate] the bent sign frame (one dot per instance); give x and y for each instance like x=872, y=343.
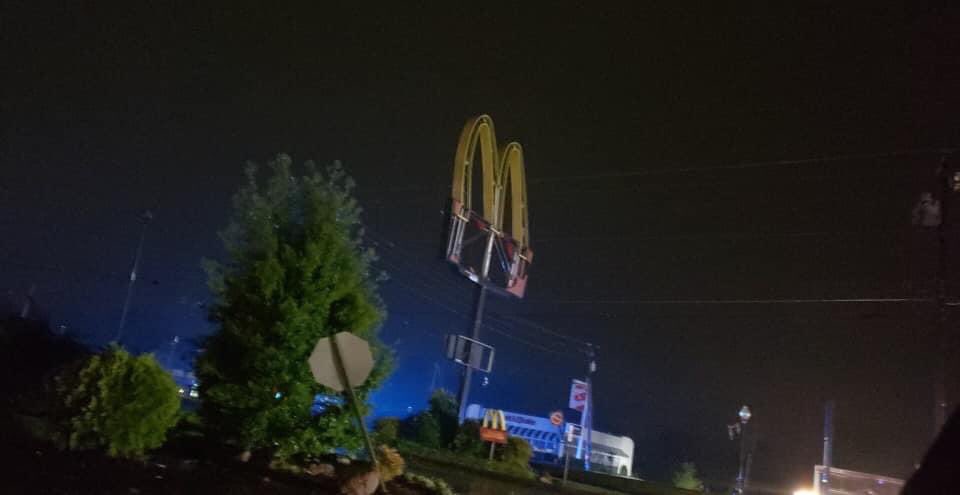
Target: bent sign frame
x=500, y=167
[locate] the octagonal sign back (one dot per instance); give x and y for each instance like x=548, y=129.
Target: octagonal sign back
x=357, y=361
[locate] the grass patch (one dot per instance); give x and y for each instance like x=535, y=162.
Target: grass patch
x=508, y=469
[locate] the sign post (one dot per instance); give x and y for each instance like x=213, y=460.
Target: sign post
x=503, y=173
x=493, y=429
x=580, y=400
x=339, y=362
x=567, y=440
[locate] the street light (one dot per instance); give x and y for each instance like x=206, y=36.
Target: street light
x=744, y=415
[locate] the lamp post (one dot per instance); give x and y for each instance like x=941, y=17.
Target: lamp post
x=744, y=415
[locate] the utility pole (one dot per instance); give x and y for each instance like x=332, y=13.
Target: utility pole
x=947, y=184
x=145, y=219
x=567, y=440
x=741, y=472
x=744, y=415
x=827, y=446
x=477, y=324
x=588, y=410
x=933, y=211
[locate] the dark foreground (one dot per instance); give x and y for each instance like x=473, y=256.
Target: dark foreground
x=31, y=467
x=35, y=468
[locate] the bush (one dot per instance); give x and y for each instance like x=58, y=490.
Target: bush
x=386, y=430
x=467, y=442
x=444, y=408
x=391, y=463
x=686, y=477
x=426, y=430
x=467, y=462
x=517, y=451
x=118, y=402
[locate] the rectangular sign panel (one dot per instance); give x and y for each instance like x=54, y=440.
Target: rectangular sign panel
x=578, y=395
x=492, y=435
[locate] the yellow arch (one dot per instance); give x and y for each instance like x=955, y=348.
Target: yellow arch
x=494, y=419
x=500, y=166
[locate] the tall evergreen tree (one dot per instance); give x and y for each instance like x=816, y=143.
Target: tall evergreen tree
x=295, y=271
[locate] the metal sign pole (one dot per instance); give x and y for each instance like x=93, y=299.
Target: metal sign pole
x=589, y=410
x=475, y=334
x=352, y=396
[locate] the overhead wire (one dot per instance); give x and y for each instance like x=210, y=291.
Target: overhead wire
x=486, y=325
x=489, y=316
x=697, y=301
x=707, y=168
x=523, y=321
x=744, y=165
x=854, y=300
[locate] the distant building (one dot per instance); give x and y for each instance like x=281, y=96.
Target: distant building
x=610, y=453
x=187, y=385
x=847, y=482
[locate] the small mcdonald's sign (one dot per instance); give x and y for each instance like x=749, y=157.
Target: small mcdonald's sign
x=494, y=427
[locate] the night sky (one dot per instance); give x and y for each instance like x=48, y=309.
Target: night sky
x=636, y=125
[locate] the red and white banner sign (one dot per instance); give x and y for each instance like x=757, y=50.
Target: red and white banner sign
x=578, y=395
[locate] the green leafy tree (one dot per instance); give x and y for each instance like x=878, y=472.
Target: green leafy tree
x=295, y=271
x=122, y=403
x=686, y=477
x=443, y=407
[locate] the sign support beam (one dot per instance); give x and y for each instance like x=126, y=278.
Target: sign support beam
x=355, y=406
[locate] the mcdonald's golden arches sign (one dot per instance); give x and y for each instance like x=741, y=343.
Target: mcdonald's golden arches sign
x=494, y=426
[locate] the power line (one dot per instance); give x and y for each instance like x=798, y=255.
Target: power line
x=638, y=236
x=688, y=170
x=499, y=317
x=486, y=325
x=743, y=166
x=530, y=324
x=695, y=236
x=68, y=275
x=852, y=300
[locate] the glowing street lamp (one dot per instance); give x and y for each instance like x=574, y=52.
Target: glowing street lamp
x=744, y=414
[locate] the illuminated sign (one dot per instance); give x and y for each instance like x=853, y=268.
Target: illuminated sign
x=494, y=426
x=502, y=169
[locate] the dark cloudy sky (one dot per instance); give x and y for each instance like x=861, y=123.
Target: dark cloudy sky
x=106, y=112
